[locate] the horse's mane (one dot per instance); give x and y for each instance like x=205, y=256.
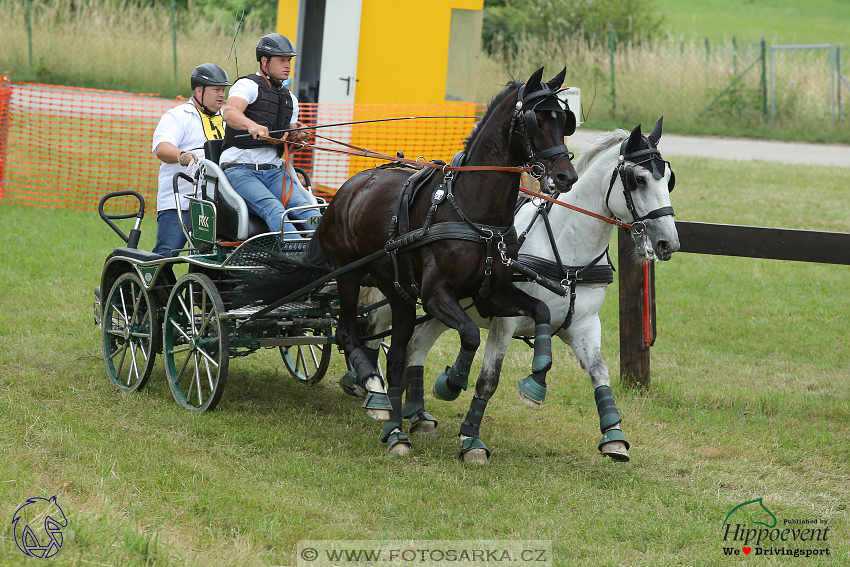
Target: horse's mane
x=512, y=85
x=594, y=149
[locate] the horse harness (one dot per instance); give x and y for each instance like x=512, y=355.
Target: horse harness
x=402, y=239
x=536, y=269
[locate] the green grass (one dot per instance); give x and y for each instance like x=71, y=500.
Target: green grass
x=780, y=21
x=750, y=397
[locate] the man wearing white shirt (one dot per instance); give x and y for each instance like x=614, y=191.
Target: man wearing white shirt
x=256, y=105
x=178, y=142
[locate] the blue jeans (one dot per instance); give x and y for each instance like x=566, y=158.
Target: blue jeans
x=261, y=190
x=169, y=236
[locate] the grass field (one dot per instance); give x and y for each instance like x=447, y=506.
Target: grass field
x=780, y=21
x=750, y=398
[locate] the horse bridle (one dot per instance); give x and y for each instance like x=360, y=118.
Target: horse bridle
x=626, y=171
x=525, y=118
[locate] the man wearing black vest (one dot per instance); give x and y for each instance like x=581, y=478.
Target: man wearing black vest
x=257, y=104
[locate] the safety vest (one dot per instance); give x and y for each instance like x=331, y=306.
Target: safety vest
x=272, y=109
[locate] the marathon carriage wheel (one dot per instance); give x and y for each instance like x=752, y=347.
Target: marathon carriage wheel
x=196, y=343
x=130, y=331
x=307, y=363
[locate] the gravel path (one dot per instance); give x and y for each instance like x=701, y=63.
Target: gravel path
x=741, y=149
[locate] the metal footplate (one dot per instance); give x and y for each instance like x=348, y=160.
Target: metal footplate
x=282, y=311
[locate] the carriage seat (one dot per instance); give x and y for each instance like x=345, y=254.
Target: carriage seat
x=234, y=220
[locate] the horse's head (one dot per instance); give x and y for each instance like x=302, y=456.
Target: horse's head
x=646, y=181
x=538, y=126
x=529, y=122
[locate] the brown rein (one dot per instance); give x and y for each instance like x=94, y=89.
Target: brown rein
x=366, y=152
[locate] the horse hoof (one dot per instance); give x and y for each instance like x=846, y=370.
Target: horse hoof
x=349, y=385
x=531, y=393
x=476, y=457
x=378, y=414
x=425, y=428
x=423, y=423
x=533, y=404
x=474, y=451
x=617, y=450
x=399, y=450
x=377, y=406
x=398, y=444
x=441, y=389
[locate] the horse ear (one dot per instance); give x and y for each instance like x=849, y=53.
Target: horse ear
x=634, y=139
x=558, y=80
x=533, y=83
x=655, y=137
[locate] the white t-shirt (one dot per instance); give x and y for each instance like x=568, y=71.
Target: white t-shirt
x=248, y=90
x=180, y=126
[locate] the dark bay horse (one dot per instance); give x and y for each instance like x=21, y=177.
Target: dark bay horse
x=468, y=216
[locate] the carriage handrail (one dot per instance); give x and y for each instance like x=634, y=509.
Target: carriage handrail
x=132, y=240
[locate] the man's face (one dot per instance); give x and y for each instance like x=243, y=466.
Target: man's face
x=213, y=97
x=278, y=67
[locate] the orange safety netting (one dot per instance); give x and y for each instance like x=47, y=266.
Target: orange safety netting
x=66, y=147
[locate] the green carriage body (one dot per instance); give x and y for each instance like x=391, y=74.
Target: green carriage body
x=196, y=321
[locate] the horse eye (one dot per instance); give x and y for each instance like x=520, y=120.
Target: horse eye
x=641, y=181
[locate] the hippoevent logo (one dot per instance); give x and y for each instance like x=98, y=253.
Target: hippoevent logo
x=753, y=527
x=36, y=537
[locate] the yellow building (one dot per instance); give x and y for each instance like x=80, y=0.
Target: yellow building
x=383, y=51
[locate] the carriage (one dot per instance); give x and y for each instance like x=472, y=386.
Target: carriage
x=145, y=307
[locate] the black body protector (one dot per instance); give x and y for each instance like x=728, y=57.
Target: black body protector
x=272, y=109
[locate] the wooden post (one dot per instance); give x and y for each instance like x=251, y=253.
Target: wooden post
x=634, y=351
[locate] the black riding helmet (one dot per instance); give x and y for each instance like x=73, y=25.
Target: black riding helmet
x=274, y=44
x=208, y=75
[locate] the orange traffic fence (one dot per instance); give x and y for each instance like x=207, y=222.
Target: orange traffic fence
x=66, y=147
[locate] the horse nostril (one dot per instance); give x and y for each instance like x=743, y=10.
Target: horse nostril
x=566, y=180
x=663, y=248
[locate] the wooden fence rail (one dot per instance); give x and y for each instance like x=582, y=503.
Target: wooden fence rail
x=719, y=240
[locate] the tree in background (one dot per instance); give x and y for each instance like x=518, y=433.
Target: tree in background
x=632, y=19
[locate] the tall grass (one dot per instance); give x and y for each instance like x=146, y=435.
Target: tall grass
x=680, y=80
x=117, y=45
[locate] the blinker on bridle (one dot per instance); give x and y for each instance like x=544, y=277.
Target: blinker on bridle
x=524, y=117
x=626, y=171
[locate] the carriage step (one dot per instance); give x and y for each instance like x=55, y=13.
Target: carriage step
x=282, y=311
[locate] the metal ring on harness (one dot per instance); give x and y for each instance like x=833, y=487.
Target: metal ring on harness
x=538, y=170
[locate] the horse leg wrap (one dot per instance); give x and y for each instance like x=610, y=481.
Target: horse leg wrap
x=388, y=435
x=472, y=424
x=533, y=387
x=414, y=399
x=450, y=382
x=542, y=350
x=352, y=383
x=608, y=414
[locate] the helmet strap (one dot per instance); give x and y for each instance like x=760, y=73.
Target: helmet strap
x=205, y=110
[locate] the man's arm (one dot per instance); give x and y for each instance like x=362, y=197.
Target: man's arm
x=234, y=115
x=169, y=153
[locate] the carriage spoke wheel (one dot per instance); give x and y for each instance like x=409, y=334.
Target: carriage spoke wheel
x=307, y=363
x=130, y=329
x=195, y=343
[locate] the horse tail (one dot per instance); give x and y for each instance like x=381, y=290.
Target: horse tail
x=281, y=272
